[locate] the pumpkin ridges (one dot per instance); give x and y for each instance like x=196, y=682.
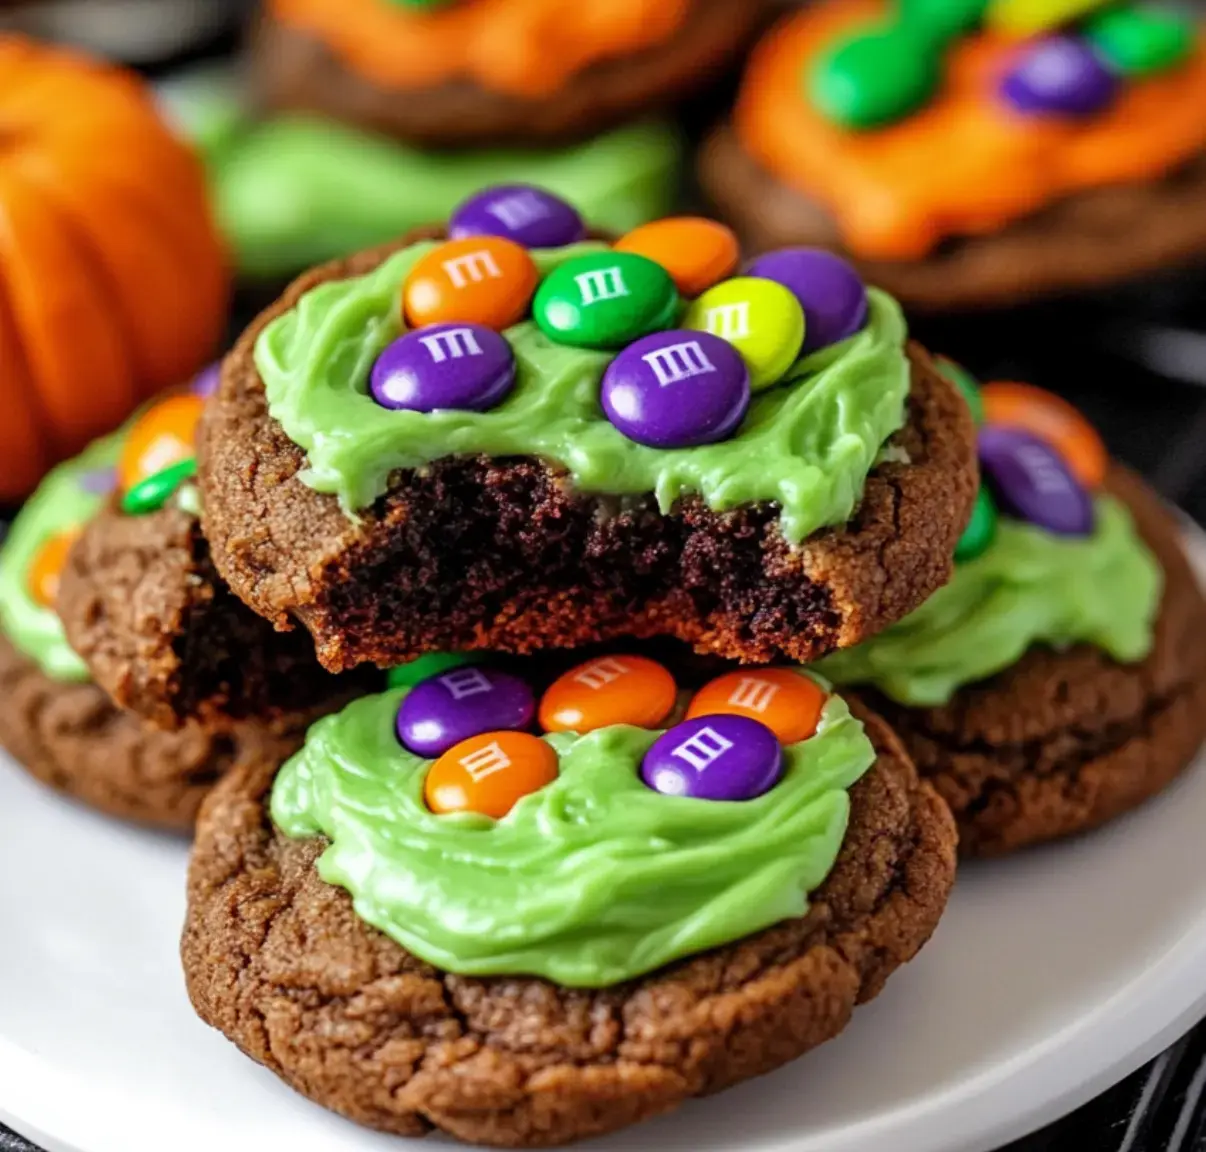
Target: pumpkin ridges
x=70, y=336
x=141, y=278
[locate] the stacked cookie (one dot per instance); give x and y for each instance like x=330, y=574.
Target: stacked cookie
x=575, y=865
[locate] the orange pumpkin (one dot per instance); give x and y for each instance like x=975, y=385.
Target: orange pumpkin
x=113, y=280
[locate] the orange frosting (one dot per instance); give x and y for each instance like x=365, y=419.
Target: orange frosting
x=524, y=48
x=966, y=164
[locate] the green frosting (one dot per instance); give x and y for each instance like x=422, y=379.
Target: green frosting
x=1029, y=587
x=806, y=444
x=590, y=881
x=294, y=191
x=61, y=503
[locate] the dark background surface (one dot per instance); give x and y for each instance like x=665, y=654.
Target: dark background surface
x=1134, y=362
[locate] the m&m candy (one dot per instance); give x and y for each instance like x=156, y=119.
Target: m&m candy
x=457, y=365
x=486, y=280
x=47, y=568
x=1059, y=76
x=1031, y=481
x=788, y=703
x=1053, y=419
x=424, y=667
x=981, y=528
x=695, y=251
x=676, y=390
x=153, y=492
x=205, y=383
x=714, y=758
x=519, y=212
x=968, y=385
x=162, y=436
x=460, y=703
x=1031, y=17
x=609, y=690
x=829, y=290
x=761, y=319
x=605, y=300
x=489, y=773
x=98, y=481
x=1139, y=40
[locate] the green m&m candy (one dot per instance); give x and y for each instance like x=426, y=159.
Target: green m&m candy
x=980, y=530
x=425, y=667
x=967, y=384
x=876, y=77
x=605, y=300
x=762, y=319
x=156, y=490
x=1139, y=40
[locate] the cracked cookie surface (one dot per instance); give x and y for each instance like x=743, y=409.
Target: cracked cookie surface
x=278, y=961
x=474, y=552
x=1064, y=741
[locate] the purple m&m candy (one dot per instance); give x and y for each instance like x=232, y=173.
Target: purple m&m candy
x=465, y=366
x=529, y=216
x=464, y=702
x=1059, y=76
x=677, y=389
x=205, y=383
x=830, y=291
x=718, y=757
x=99, y=481
x=1032, y=482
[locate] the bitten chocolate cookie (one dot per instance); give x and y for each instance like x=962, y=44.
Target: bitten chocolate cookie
x=1064, y=741
x=788, y=489
x=61, y=725
x=279, y=961
x=844, y=125
x=73, y=738
x=478, y=73
x=160, y=632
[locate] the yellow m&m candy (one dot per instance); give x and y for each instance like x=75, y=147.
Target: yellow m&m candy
x=788, y=703
x=609, y=690
x=762, y=319
x=489, y=773
x=1032, y=17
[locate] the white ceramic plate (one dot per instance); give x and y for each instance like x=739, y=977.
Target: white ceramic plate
x=1051, y=976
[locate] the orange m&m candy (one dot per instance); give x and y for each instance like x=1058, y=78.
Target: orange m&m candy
x=788, y=703
x=696, y=252
x=1050, y=418
x=489, y=773
x=609, y=690
x=162, y=436
x=481, y=280
x=47, y=568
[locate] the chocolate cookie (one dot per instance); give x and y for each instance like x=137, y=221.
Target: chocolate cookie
x=1151, y=226
x=1081, y=156
x=165, y=637
x=1064, y=741
x=72, y=737
x=483, y=552
x=278, y=961
x=296, y=68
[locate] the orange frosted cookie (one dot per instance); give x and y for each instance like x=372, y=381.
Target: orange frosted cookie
x=973, y=151
x=449, y=71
